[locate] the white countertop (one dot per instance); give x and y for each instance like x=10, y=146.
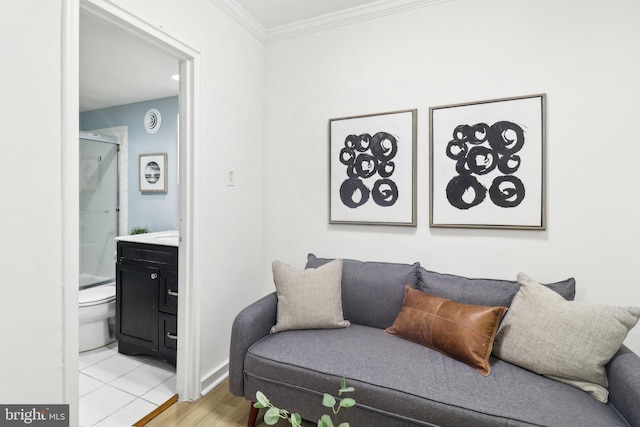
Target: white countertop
x=165, y=238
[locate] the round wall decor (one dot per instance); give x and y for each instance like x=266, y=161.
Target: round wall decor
x=152, y=120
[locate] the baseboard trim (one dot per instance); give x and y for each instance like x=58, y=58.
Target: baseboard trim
x=160, y=409
x=213, y=378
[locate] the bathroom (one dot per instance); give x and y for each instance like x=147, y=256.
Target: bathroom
x=119, y=129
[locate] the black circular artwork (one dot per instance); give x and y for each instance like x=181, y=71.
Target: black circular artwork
x=479, y=150
x=152, y=172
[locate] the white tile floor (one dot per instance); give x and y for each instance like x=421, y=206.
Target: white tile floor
x=118, y=390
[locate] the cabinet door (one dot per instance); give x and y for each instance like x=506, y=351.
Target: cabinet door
x=137, y=305
x=169, y=291
x=168, y=336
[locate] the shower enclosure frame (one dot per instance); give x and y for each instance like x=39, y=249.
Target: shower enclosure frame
x=95, y=280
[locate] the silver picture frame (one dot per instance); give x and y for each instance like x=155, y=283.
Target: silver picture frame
x=372, y=169
x=487, y=164
x=152, y=173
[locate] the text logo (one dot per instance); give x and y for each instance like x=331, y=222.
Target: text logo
x=34, y=415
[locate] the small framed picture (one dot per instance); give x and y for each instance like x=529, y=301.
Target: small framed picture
x=372, y=162
x=487, y=164
x=152, y=173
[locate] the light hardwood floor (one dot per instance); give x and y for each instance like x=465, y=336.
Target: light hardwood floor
x=219, y=408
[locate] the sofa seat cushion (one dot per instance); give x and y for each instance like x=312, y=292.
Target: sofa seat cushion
x=415, y=383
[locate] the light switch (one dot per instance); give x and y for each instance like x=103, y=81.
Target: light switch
x=231, y=177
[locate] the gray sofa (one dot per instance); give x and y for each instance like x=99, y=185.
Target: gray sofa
x=400, y=383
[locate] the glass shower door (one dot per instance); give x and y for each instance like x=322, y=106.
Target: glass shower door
x=98, y=211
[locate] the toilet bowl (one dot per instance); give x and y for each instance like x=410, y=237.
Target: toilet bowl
x=97, y=316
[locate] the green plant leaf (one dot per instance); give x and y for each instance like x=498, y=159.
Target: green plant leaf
x=139, y=230
x=261, y=400
x=325, y=421
x=328, y=400
x=343, y=386
x=272, y=416
x=295, y=420
x=347, y=402
x=344, y=425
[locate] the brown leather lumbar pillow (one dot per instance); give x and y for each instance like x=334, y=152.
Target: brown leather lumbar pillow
x=464, y=332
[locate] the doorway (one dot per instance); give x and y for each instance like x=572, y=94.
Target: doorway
x=187, y=385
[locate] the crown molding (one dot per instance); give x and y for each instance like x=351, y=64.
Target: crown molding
x=243, y=17
x=331, y=20
x=345, y=17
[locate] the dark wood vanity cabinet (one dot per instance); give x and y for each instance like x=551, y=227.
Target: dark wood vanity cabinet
x=147, y=299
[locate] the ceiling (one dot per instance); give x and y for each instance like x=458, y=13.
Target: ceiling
x=118, y=68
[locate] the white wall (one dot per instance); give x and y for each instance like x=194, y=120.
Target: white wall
x=581, y=54
x=229, y=257
x=30, y=191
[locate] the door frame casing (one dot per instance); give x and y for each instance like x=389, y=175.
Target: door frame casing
x=188, y=363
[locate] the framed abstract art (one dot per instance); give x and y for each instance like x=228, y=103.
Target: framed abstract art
x=487, y=164
x=372, y=169
x=152, y=173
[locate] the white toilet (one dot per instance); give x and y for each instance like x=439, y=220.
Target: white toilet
x=97, y=316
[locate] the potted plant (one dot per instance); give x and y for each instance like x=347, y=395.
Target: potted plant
x=139, y=230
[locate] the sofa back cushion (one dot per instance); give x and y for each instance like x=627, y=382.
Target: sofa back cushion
x=490, y=292
x=372, y=292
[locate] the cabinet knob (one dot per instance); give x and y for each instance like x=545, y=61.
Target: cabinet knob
x=171, y=336
x=172, y=293
x=154, y=276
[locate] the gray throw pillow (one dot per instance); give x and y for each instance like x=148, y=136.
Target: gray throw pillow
x=372, y=292
x=564, y=340
x=489, y=292
x=308, y=299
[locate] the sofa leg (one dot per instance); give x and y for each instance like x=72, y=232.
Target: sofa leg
x=253, y=415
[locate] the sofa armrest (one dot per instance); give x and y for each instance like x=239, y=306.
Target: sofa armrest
x=623, y=372
x=250, y=325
